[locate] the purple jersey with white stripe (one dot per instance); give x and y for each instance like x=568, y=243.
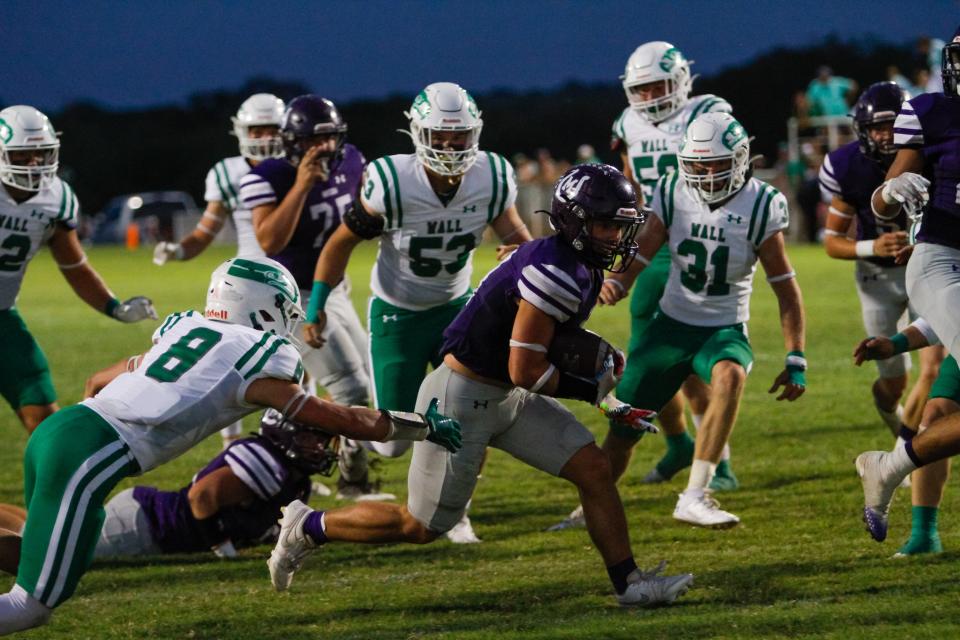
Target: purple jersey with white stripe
x=548, y=274
x=261, y=467
x=271, y=180
x=931, y=124
x=847, y=173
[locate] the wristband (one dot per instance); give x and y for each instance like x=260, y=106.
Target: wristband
x=864, y=248
x=111, y=306
x=796, y=366
x=900, y=343
x=615, y=283
x=318, y=300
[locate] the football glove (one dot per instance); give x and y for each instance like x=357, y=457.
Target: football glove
x=443, y=430
x=165, y=251
x=135, y=309
x=909, y=189
x=623, y=413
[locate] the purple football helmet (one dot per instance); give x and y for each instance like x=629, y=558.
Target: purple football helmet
x=306, y=448
x=950, y=66
x=308, y=116
x=597, y=193
x=879, y=103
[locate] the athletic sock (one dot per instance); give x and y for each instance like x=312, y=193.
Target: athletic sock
x=697, y=419
x=924, y=536
x=701, y=473
x=891, y=418
x=618, y=573
x=725, y=454
x=315, y=527
x=679, y=454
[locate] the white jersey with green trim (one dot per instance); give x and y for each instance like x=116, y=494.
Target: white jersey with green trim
x=223, y=185
x=426, y=247
x=652, y=148
x=714, y=252
x=190, y=384
x=25, y=227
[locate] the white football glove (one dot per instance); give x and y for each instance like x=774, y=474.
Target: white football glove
x=225, y=550
x=165, y=251
x=609, y=375
x=909, y=189
x=135, y=309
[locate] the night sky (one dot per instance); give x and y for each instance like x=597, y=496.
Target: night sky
x=137, y=53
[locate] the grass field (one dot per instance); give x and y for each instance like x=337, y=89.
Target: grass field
x=800, y=564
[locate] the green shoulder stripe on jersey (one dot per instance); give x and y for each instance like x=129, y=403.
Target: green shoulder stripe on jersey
x=668, y=204
x=173, y=319
x=618, y=125
x=386, y=193
x=234, y=198
x=66, y=202
x=506, y=184
x=223, y=191
x=255, y=369
x=771, y=194
x=698, y=109
x=251, y=351
x=396, y=190
x=755, y=214
x=298, y=372
x=494, y=186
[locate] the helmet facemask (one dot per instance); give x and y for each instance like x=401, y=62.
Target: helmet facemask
x=445, y=128
x=29, y=168
x=716, y=179
x=256, y=144
x=714, y=156
x=950, y=68
x=663, y=106
x=307, y=448
x=617, y=255
x=652, y=63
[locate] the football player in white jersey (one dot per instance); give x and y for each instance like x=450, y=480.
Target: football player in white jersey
x=257, y=128
x=37, y=208
x=657, y=83
x=718, y=221
x=429, y=210
x=201, y=373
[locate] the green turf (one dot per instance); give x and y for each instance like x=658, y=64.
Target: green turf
x=799, y=565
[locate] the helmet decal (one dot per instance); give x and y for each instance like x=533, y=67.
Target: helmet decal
x=733, y=135
x=6, y=131
x=671, y=58
x=265, y=273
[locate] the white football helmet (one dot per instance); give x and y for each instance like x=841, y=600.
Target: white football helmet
x=259, y=110
x=653, y=62
x=714, y=156
x=255, y=292
x=445, y=107
x=24, y=130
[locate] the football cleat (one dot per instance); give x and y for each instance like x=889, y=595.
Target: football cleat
x=724, y=479
x=646, y=588
x=293, y=545
x=877, y=492
x=702, y=510
x=573, y=521
x=462, y=532
x=917, y=545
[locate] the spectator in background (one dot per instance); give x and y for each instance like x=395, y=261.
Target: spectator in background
x=586, y=154
x=548, y=171
x=828, y=94
x=894, y=75
x=929, y=51
x=801, y=111
x=808, y=192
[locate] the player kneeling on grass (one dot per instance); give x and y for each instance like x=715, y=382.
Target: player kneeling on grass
x=231, y=503
x=516, y=343
x=201, y=374
x=927, y=452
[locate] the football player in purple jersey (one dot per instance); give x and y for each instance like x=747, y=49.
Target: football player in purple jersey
x=297, y=202
x=514, y=348
x=924, y=176
x=231, y=503
x=848, y=177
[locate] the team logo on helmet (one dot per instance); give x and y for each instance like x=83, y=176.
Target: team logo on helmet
x=671, y=58
x=472, y=106
x=259, y=272
x=569, y=185
x=6, y=131
x=421, y=105
x=733, y=135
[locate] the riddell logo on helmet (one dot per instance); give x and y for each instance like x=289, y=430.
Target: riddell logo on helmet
x=451, y=121
x=215, y=314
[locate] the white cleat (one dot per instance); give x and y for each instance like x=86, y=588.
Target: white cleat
x=646, y=588
x=573, y=521
x=878, y=490
x=702, y=510
x=462, y=532
x=293, y=545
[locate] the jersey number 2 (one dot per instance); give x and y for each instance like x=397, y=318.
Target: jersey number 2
x=21, y=247
x=183, y=355
x=695, y=277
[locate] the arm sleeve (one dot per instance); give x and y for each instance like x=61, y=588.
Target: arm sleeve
x=255, y=191
x=550, y=289
x=213, y=187
x=907, y=130
x=257, y=468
